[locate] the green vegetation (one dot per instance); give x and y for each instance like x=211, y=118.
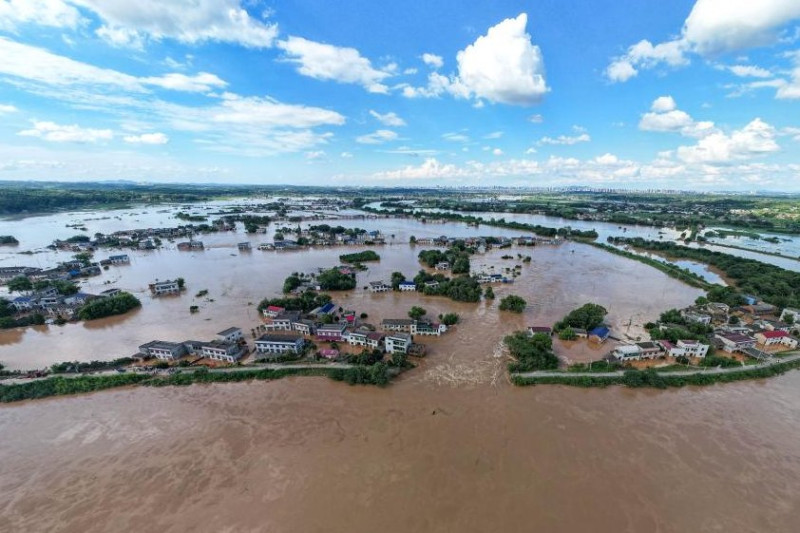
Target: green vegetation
x=292, y=282
x=460, y=289
x=118, y=304
x=8, y=240
x=771, y=283
x=305, y=302
x=62, y=386
x=397, y=279
x=194, y=309
x=567, y=334
x=92, y=366
x=181, y=283
x=360, y=257
x=19, y=284
x=334, y=280
x=587, y=317
x=513, y=303
x=417, y=312
x=531, y=352
x=191, y=218
x=457, y=255
x=64, y=288
x=489, y=293
x=658, y=379
x=449, y=319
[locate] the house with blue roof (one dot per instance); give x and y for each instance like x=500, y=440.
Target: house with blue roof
x=599, y=334
x=22, y=303
x=407, y=286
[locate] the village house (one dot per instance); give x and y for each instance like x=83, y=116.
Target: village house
x=120, y=259
x=397, y=324
x=228, y=352
x=284, y=321
x=370, y=339
x=760, y=309
x=304, y=326
x=329, y=353
x=443, y=265
x=407, y=286
x=649, y=350
x=231, y=334
x=108, y=293
x=274, y=344
x=427, y=328
x=163, y=350
x=775, y=338
x=331, y=332
x=160, y=288
x=734, y=342
x=244, y=247
x=627, y=352
x=692, y=348
x=272, y=311
x=379, y=286
x=533, y=330
x=698, y=318
x=326, y=309
x=431, y=284
x=22, y=303
x=397, y=342
x=599, y=334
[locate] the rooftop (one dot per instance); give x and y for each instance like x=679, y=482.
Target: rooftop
x=228, y=331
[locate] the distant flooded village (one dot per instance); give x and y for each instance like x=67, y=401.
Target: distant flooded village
x=359, y=290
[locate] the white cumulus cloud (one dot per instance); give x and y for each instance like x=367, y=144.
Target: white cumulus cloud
x=377, y=137
x=327, y=62
x=147, y=138
x=756, y=138
x=432, y=60
x=503, y=66
x=388, y=119
x=50, y=131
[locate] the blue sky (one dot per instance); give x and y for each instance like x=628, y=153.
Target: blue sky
x=679, y=95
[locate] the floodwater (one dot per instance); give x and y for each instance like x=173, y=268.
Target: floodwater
x=449, y=447
x=557, y=280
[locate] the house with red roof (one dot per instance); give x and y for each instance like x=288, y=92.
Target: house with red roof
x=775, y=338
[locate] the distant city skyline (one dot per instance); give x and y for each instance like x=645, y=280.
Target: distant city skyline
x=686, y=95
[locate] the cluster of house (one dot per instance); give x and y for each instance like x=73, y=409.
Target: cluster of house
x=190, y=245
x=143, y=238
x=50, y=302
x=228, y=346
x=310, y=237
x=652, y=350
x=598, y=335
x=285, y=332
x=403, y=286
x=65, y=271
x=483, y=244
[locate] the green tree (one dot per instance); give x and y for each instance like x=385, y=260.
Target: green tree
x=397, y=279
x=588, y=316
x=531, y=352
x=20, y=284
x=513, y=303
x=181, y=282
x=417, y=312
x=489, y=293
x=114, y=305
x=567, y=334
x=449, y=319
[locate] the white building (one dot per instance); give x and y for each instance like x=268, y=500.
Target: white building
x=427, y=328
x=230, y=335
x=775, y=338
x=407, y=286
x=222, y=351
x=627, y=352
x=165, y=351
x=165, y=287
x=273, y=344
x=692, y=348
x=397, y=324
x=789, y=314
x=397, y=342
x=379, y=286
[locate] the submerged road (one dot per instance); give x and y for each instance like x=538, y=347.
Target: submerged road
x=619, y=373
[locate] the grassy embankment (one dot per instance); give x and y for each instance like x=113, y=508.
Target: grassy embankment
x=64, y=386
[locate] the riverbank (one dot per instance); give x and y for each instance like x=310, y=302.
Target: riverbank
x=657, y=379
x=71, y=384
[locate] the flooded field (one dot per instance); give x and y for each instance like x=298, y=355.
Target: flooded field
x=450, y=446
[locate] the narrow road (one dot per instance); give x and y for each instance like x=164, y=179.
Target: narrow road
x=618, y=373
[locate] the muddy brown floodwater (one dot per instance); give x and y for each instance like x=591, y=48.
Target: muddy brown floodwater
x=449, y=447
